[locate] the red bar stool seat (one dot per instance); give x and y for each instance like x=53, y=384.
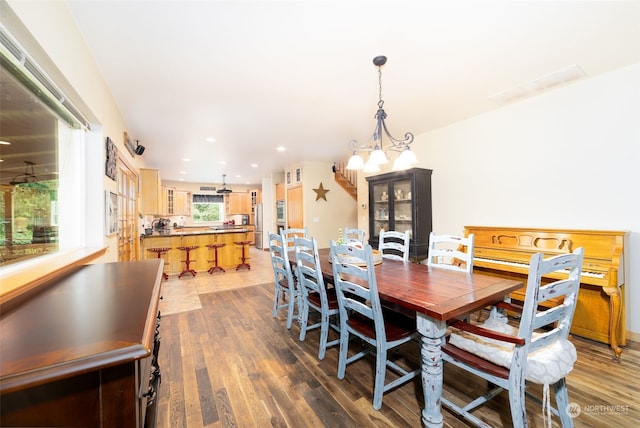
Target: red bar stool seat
x=243, y=257
x=215, y=266
x=161, y=251
x=187, y=261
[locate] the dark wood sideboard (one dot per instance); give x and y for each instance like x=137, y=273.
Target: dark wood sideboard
x=82, y=350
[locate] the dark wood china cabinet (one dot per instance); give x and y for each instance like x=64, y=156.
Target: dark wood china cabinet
x=401, y=201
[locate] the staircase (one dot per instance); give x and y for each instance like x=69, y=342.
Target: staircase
x=347, y=179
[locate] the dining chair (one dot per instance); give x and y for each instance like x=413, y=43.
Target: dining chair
x=314, y=295
x=394, y=245
x=285, y=288
x=290, y=234
x=536, y=351
x=362, y=316
x=451, y=252
x=353, y=235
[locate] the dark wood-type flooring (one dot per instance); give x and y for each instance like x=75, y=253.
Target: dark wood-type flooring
x=226, y=362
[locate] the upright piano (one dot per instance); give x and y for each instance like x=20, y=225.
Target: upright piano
x=600, y=313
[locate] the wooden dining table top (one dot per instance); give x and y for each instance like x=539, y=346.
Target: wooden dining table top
x=438, y=293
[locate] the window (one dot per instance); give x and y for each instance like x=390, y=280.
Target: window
x=41, y=155
x=208, y=208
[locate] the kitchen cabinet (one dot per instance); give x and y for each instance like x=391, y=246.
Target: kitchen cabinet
x=181, y=202
x=238, y=203
x=151, y=192
x=295, y=212
x=168, y=206
x=401, y=201
x=256, y=198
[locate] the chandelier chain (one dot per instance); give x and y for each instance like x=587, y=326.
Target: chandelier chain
x=380, y=101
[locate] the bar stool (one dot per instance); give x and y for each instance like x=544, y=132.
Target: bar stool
x=244, y=257
x=215, y=266
x=160, y=251
x=187, y=269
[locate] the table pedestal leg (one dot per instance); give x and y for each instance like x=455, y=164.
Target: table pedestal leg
x=432, y=332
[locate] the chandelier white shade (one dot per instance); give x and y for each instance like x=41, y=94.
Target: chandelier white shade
x=377, y=153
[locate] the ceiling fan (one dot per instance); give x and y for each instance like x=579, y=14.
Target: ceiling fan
x=224, y=188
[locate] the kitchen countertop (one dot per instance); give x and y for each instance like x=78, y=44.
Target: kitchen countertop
x=196, y=230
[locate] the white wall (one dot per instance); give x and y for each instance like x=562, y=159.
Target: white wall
x=569, y=158
x=324, y=218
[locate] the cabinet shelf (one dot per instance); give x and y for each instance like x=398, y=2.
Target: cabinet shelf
x=410, y=212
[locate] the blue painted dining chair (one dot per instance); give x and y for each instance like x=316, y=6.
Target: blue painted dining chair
x=536, y=351
x=285, y=293
x=352, y=235
x=292, y=233
x=314, y=295
x=362, y=316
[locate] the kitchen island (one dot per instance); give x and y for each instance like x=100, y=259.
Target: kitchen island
x=202, y=257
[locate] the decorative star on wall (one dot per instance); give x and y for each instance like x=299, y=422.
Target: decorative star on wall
x=321, y=192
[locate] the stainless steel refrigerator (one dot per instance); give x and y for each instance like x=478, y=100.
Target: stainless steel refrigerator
x=259, y=227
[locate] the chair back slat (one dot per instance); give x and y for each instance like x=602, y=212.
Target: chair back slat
x=289, y=235
x=394, y=245
x=356, y=285
x=557, y=318
x=279, y=257
x=451, y=252
x=308, y=267
x=352, y=235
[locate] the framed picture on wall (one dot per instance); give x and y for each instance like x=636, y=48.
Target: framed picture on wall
x=128, y=143
x=298, y=175
x=111, y=165
x=111, y=212
x=288, y=177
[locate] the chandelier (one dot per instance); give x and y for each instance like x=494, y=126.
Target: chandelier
x=377, y=154
x=29, y=175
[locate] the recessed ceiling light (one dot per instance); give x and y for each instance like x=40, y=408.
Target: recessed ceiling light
x=254, y=165
x=186, y=160
x=222, y=162
x=280, y=149
x=183, y=172
x=210, y=140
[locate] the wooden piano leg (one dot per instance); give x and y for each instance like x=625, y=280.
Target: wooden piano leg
x=615, y=313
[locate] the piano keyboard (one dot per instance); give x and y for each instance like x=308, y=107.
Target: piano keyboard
x=598, y=275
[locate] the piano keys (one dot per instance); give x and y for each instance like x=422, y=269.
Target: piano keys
x=600, y=313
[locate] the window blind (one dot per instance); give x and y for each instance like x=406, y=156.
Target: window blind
x=208, y=199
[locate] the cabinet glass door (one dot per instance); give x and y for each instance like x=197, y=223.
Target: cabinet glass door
x=402, y=212
x=380, y=208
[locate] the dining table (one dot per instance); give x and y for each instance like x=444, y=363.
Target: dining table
x=436, y=296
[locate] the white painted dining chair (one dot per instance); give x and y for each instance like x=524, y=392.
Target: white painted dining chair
x=536, y=351
x=394, y=245
x=314, y=294
x=450, y=252
x=362, y=316
x=285, y=293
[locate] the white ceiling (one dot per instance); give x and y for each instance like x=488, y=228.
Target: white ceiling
x=299, y=74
